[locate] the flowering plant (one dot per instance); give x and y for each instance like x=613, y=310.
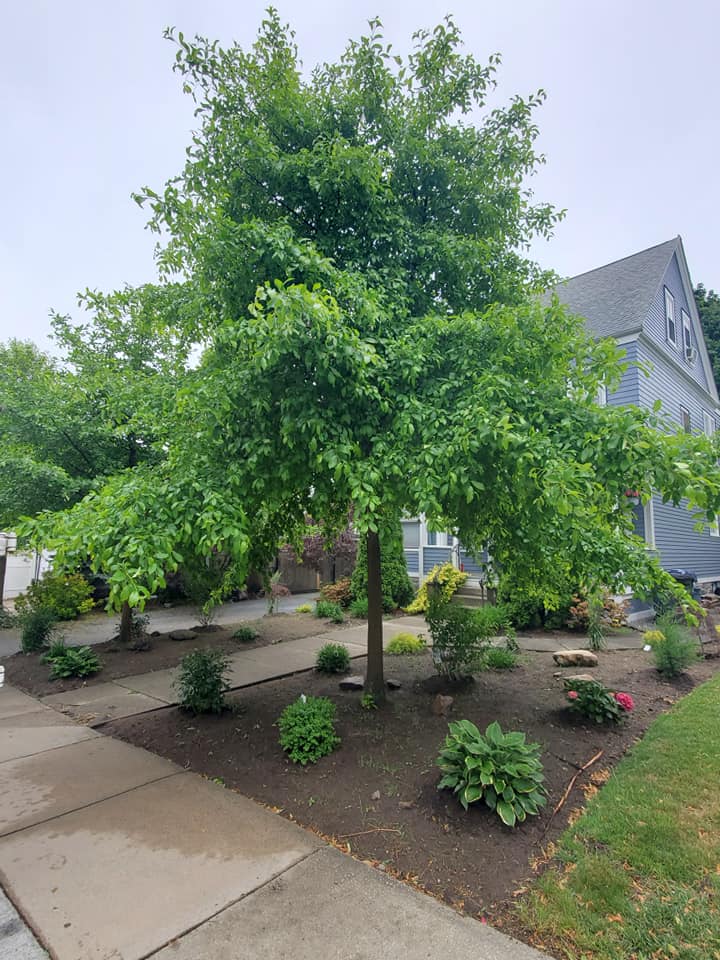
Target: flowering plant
x=592, y=699
x=625, y=701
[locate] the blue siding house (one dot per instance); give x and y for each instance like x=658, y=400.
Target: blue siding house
x=645, y=302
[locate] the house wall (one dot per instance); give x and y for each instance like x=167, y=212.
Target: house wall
x=680, y=546
x=629, y=390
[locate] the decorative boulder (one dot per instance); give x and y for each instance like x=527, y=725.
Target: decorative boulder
x=392, y=684
x=441, y=705
x=182, y=635
x=351, y=683
x=575, y=658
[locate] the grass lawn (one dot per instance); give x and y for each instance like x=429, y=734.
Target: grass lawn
x=637, y=877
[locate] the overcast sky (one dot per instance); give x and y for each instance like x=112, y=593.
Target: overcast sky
x=91, y=111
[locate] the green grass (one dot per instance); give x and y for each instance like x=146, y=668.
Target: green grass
x=638, y=875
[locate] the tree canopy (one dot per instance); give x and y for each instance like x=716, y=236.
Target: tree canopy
x=708, y=304
x=351, y=250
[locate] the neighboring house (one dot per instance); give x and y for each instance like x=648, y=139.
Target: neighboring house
x=645, y=302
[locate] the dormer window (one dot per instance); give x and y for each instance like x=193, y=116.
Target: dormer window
x=687, y=336
x=670, y=325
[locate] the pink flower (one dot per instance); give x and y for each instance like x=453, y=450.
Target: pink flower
x=572, y=695
x=625, y=701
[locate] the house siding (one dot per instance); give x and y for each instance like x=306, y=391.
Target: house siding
x=679, y=545
x=663, y=383
x=628, y=391
x=432, y=556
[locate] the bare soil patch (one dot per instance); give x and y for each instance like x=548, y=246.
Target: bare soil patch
x=376, y=797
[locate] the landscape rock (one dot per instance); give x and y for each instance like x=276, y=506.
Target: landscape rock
x=406, y=804
x=392, y=684
x=351, y=683
x=578, y=676
x=375, y=796
x=182, y=635
x=575, y=658
x=441, y=705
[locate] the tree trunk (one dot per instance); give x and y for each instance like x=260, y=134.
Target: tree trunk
x=126, y=623
x=374, y=678
x=3, y=567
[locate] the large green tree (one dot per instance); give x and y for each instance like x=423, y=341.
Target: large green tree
x=708, y=304
x=353, y=241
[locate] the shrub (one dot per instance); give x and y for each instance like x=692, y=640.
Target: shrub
x=368, y=702
x=307, y=729
x=304, y=608
x=359, y=608
x=397, y=589
x=459, y=637
x=8, y=620
x=338, y=592
x=592, y=699
x=326, y=610
x=202, y=683
x=274, y=591
x=332, y=658
x=67, y=595
x=405, y=643
x=37, y=627
x=71, y=661
x=245, y=634
x=446, y=577
x=500, y=658
x=676, y=650
x=604, y=611
x=500, y=769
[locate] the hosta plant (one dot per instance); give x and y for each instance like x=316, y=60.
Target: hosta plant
x=71, y=661
x=501, y=769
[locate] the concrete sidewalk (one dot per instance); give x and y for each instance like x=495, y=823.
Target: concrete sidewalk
x=111, y=853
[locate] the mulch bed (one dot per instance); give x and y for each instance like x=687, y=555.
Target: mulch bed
x=377, y=796
x=29, y=673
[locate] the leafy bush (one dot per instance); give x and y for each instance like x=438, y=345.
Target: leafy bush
x=332, y=658
x=611, y=613
x=359, y=608
x=447, y=578
x=67, y=595
x=500, y=658
x=202, y=683
x=592, y=699
x=368, y=702
x=500, y=769
x=459, y=637
x=8, y=620
x=245, y=634
x=37, y=626
x=71, y=661
x=326, y=610
x=676, y=650
x=307, y=729
x=304, y=608
x=405, y=643
x=338, y=592
x=397, y=588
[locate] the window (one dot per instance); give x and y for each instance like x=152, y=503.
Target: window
x=411, y=534
x=671, y=328
x=649, y=523
x=435, y=539
x=601, y=398
x=685, y=420
x=687, y=336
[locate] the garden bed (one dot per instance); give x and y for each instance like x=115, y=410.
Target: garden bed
x=29, y=673
x=377, y=796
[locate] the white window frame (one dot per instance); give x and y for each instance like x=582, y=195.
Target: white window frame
x=649, y=522
x=687, y=334
x=601, y=397
x=670, y=322
x=687, y=428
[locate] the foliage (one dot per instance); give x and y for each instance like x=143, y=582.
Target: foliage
x=592, y=699
x=207, y=581
x=202, y=681
x=648, y=839
x=359, y=608
x=460, y=636
x=325, y=610
x=501, y=769
x=8, y=620
x=500, y=658
x=332, y=658
x=368, y=702
x=275, y=591
x=611, y=613
x=397, y=589
x=139, y=623
x=245, y=634
x=708, y=304
x=67, y=595
x=320, y=543
x=444, y=577
x=37, y=626
x=405, y=643
x=676, y=649
x=307, y=729
x=71, y=661
x=338, y=592
x=304, y=608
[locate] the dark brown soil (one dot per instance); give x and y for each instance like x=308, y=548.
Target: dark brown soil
x=29, y=673
x=377, y=796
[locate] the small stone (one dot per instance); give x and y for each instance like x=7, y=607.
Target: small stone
x=351, y=683
x=583, y=677
x=182, y=635
x=155, y=633
x=575, y=658
x=406, y=804
x=392, y=684
x=441, y=705
x=375, y=796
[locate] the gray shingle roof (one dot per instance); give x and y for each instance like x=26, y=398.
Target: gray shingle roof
x=615, y=299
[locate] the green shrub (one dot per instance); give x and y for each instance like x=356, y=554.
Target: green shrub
x=332, y=658
x=338, y=592
x=326, y=610
x=405, y=643
x=71, y=661
x=592, y=699
x=676, y=650
x=447, y=578
x=459, y=636
x=67, y=595
x=500, y=658
x=500, y=769
x=8, y=620
x=37, y=626
x=245, y=634
x=359, y=608
x=202, y=683
x=368, y=702
x=397, y=588
x=304, y=608
x=307, y=729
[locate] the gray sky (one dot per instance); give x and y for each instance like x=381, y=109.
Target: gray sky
x=90, y=110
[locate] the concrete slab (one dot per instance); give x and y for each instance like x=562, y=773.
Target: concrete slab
x=413, y=624
x=127, y=875
x=14, y=702
x=101, y=702
x=332, y=906
x=159, y=685
x=36, y=732
x=16, y=940
x=35, y=789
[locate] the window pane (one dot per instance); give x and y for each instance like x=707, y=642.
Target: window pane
x=411, y=534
